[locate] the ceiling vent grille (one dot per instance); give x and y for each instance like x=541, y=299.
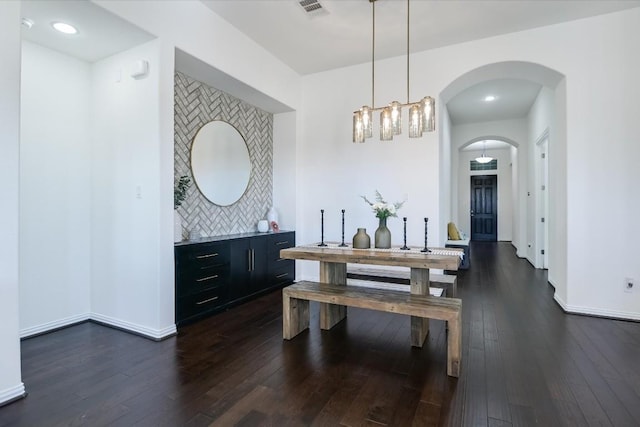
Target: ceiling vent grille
x=312, y=7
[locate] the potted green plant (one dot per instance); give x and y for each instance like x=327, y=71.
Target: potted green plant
x=179, y=195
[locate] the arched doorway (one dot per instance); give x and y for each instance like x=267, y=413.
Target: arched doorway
x=485, y=191
x=543, y=116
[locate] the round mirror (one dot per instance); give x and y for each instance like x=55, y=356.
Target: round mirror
x=220, y=163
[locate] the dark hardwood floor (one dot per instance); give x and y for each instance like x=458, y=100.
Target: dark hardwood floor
x=524, y=363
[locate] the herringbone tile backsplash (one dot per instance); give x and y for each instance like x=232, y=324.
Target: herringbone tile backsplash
x=196, y=104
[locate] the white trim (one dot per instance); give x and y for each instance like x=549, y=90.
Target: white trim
x=591, y=311
x=540, y=235
x=56, y=324
x=12, y=393
x=156, y=334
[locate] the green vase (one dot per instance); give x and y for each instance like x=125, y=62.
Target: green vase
x=383, y=235
x=361, y=240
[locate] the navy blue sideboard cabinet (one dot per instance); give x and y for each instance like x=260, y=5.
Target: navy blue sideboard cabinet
x=216, y=273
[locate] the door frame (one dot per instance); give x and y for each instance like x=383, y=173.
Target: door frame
x=541, y=165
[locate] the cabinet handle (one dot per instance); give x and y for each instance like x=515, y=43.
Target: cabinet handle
x=280, y=276
x=282, y=243
x=253, y=259
x=207, y=300
x=215, y=276
x=206, y=256
x=248, y=259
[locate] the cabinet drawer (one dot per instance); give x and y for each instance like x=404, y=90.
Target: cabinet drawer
x=200, y=303
x=275, y=260
x=204, y=255
x=279, y=241
x=283, y=275
x=194, y=281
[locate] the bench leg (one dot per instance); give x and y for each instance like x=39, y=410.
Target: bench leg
x=419, y=331
x=454, y=346
x=419, y=325
x=336, y=273
x=295, y=316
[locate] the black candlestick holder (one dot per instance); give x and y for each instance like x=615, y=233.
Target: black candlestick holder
x=322, y=243
x=343, y=245
x=426, y=249
x=405, y=247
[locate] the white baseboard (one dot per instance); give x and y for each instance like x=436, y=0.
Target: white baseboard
x=12, y=393
x=56, y=324
x=592, y=311
x=156, y=334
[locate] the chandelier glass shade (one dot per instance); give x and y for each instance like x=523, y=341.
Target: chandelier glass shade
x=421, y=113
x=484, y=158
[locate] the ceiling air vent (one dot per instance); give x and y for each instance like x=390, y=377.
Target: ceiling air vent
x=312, y=7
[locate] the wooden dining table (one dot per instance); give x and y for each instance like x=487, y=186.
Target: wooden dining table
x=333, y=270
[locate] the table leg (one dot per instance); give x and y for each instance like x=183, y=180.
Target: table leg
x=419, y=325
x=334, y=273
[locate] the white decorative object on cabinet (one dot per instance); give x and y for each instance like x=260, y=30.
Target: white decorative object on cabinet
x=272, y=216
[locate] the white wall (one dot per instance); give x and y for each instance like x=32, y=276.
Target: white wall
x=284, y=169
x=558, y=237
x=11, y=385
x=595, y=183
x=334, y=172
x=505, y=204
x=55, y=188
x=540, y=121
x=518, y=212
x=198, y=31
x=126, y=288
x=448, y=201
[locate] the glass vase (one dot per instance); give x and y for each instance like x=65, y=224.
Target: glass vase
x=361, y=240
x=383, y=235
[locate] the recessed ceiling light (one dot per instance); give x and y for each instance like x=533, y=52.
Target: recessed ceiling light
x=64, y=28
x=489, y=98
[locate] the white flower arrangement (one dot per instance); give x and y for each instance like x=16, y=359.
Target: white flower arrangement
x=383, y=209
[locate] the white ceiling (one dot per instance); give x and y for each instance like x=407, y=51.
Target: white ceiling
x=342, y=36
x=100, y=33
x=513, y=100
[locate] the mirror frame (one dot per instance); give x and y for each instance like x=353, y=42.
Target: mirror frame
x=195, y=180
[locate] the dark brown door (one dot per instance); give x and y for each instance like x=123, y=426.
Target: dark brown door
x=484, y=208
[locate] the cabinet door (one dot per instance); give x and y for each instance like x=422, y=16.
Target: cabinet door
x=248, y=267
x=240, y=283
x=258, y=247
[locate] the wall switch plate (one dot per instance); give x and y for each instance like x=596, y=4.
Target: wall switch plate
x=629, y=284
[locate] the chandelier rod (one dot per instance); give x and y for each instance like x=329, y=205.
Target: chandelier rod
x=373, y=54
x=408, y=51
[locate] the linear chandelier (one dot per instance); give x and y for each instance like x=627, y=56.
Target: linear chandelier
x=421, y=113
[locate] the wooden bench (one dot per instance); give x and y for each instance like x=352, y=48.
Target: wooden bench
x=295, y=310
x=446, y=281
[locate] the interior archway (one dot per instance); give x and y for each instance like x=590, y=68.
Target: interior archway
x=546, y=113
